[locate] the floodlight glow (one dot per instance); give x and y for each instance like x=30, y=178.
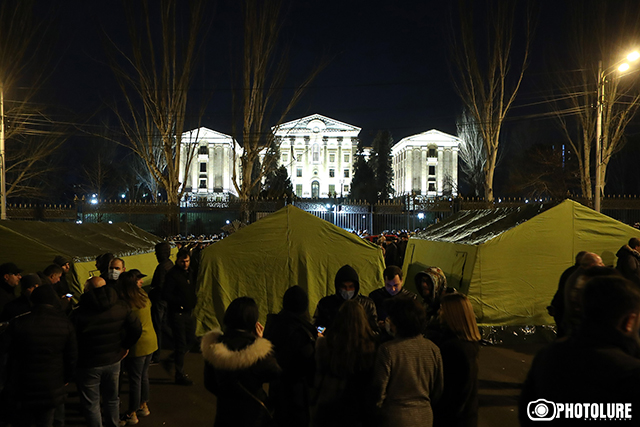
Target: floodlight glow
x=123, y=195
x=79, y=221
x=227, y=221
x=94, y=201
x=633, y=56
x=421, y=215
x=110, y=222
x=623, y=67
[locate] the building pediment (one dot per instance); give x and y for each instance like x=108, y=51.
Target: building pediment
x=202, y=134
x=431, y=137
x=315, y=123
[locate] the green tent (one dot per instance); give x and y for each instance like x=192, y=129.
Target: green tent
x=289, y=247
x=32, y=245
x=508, y=260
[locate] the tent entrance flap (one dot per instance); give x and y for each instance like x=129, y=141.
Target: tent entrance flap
x=457, y=271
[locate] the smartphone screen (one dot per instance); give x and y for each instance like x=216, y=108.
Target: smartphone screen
x=321, y=329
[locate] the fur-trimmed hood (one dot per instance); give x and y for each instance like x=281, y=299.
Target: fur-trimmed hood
x=222, y=357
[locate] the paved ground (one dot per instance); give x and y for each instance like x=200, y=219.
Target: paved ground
x=502, y=371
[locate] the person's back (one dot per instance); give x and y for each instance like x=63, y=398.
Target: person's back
x=599, y=365
x=629, y=260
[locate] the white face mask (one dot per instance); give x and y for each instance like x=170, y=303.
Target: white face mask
x=114, y=274
x=347, y=295
x=387, y=327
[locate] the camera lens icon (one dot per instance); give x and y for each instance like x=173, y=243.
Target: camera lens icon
x=541, y=410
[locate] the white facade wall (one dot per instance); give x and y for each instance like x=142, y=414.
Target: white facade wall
x=210, y=174
x=426, y=164
x=318, y=153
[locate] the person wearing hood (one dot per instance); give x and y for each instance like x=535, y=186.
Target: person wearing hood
x=431, y=285
x=629, y=260
x=158, y=304
x=42, y=357
x=294, y=338
x=347, y=285
x=106, y=330
x=237, y=364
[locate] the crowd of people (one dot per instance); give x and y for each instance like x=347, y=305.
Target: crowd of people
x=388, y=359
x=115, y=327
x=393, y=358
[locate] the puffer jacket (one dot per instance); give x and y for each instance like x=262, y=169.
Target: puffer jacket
x=237, y=364
x=629, y=263
x=104, y=326
x=42, y=356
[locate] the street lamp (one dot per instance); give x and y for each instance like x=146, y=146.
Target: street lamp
x=622, y=66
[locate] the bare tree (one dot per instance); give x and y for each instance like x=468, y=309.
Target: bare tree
x=595, y=30
x=472, y=155
x=155, y=76
x=264, y=75
x=486, y=78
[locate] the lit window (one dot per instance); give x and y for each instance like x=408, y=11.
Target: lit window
x=332, y=189
x=316, y=153
x=346, y=173
x=332, y=158
x=299, y=172
x=285, y=158
x=299, y=190
x=346, y=158
x=332, y=173
x=299, y=158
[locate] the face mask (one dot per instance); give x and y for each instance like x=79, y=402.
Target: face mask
x=114, y=274
x=387, y=326
x=347, y=294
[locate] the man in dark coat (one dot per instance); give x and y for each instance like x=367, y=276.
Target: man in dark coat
x=62, y=287
x=629, y=260
x=106, y=329
x=347, y=285
x=293, y=338
x=42, y=356
x=23, y=303
x=180, y=295
x=393, y=287
x=599, y=366
x=556, y=308
x=9, y=278
x=159, y=305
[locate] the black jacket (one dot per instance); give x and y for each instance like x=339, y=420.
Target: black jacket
x=105, y=326
x=159, y=276
x=379, y=296
x=7, y=294
x=629, y=263
x=599, y=365
x=328, y=306
x=237, y=365
x=42, y=356
x=180, y=290
x=15, y=308
x=458, y=405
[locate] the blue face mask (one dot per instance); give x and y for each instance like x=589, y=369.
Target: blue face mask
x=347, y=295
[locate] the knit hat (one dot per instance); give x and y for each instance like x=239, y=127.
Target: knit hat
x=61, y=260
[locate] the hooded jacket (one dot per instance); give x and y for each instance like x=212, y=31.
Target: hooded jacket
x=237, y=365
x=629, y=263
x=328, y=306
x=104, y=326
x=437, y=283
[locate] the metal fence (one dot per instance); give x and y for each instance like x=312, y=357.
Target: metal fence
x=408, y=213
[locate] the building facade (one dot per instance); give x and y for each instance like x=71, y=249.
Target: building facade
x=426, y=164
x=318, y=153
x=211, y=170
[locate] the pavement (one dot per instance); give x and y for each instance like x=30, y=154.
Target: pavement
x=502, y=372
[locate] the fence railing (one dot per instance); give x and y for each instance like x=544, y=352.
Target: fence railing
x=407, y=213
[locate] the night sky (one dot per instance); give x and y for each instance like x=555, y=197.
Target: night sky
x=389, y=68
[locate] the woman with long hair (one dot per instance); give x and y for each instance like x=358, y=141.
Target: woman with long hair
x=459, y=342
x=408, y=375
x=139, y=357
x=344, y=363
x=237, y=364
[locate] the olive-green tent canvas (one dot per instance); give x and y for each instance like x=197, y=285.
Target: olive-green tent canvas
x=289, y=247
x=508, y=261
x=32, y=245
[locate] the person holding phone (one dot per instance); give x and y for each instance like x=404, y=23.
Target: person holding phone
x=237, y=364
